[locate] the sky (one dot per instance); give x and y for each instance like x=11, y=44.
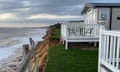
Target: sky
x=42, y=11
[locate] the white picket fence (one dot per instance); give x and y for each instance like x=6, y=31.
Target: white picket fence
x=109, y=51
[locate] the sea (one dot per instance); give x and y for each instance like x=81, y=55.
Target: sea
x=13, y=38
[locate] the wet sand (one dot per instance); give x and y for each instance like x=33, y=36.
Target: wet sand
x=13, y=62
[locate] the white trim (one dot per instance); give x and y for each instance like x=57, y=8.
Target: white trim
x=79, y=33
x=112, y=68
x=109, y=50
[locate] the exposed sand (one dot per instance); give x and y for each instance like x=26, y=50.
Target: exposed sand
x=13, y=62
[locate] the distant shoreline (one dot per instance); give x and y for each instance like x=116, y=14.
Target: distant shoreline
x=27, y=27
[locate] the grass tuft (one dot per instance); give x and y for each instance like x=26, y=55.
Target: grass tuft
x=72, y=60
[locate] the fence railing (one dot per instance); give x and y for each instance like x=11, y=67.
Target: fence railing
x=109, y=51
x=35, y=55
x=82, y=30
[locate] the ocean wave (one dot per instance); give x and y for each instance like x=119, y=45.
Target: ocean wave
x=9, y=42
x=9, y=45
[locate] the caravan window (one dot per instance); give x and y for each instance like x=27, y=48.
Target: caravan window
x=103, y=15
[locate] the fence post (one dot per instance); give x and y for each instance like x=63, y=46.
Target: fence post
x=36, y=64
x=25, y=49
x=32, y=43
x=25, y=52
x=100, y=44
x=66, y=42
x=30, y=39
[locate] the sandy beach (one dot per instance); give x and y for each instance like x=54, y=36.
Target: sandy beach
x=12, y=63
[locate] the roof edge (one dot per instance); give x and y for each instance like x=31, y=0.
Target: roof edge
x=94, y=5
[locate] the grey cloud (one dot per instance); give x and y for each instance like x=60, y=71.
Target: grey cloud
x=26, y=8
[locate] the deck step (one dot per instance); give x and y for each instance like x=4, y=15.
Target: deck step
x=82, y=45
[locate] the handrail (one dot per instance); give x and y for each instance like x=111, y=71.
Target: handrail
x=82, y=30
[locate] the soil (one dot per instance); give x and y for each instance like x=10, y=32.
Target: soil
x=55, y=42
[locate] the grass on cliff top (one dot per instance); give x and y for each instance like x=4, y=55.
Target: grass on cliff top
x=56, y=33
x=73, y=60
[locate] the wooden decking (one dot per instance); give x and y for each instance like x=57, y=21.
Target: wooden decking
x=83, y=39
x=82, y=46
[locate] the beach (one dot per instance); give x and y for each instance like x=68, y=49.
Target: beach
x=12, y=56
x=13, y=62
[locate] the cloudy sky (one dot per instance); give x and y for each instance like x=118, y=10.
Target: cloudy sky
x=42, y=11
